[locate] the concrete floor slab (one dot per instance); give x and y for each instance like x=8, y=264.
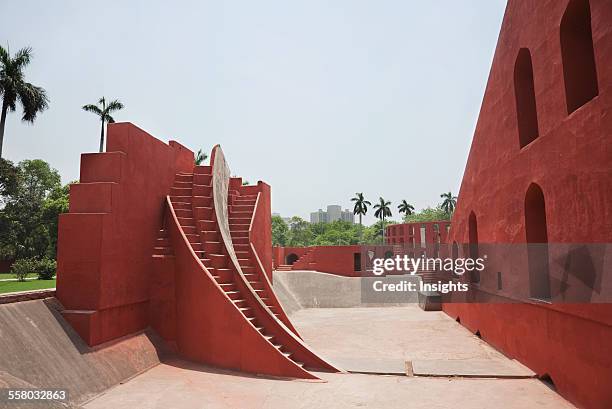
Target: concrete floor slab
x=179, y=385
x=370, y=338
x=484, y=368
x=371, y=365
x=404, y=333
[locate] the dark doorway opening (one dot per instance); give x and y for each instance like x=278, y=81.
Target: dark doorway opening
x=537, y=243
x=578, y=56
x=292, y=258
x=524, y=93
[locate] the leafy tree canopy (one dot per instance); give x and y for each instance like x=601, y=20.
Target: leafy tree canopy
x=428, y=214
x=299, y=233
x=28, y=220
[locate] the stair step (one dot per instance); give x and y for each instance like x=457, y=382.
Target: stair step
x=183, y=177
x=240, y=303
x=186, y=221
x=207, y=225
x=204, y=212
x=213, y=246
x=202, y=179
x=202, y=170
x=243, y=207
x=181, y=205
x=192, y=237
x=162, y=256
x=210, y=235
x=162, y=242
x=240, y=240
x=242, y=220
x=231, y=294
x=240, y=227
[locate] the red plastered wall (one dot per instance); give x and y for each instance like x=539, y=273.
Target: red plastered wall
x=105, y=242
x=571, y=161
x=326, y=259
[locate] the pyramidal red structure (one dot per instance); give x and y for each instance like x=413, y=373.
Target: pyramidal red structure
x=540, y=171
x=151, y=240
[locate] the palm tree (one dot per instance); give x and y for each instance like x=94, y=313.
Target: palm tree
x=449, y=203
x=361, y=205
x=200, y=157
x=13, y=87
x=406, y=208
x=104, y=111
x=383, y=210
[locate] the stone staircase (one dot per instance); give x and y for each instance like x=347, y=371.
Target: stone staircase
x=241, y=213
x=244, y=284
x=305, y=262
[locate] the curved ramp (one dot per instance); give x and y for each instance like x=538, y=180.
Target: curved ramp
x=41, y=350
x=313, y=289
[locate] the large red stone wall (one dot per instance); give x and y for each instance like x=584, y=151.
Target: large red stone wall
x=105, y=241
x=571, y=161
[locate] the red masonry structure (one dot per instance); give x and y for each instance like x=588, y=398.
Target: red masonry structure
x=153, y=240
x=418, y=234
x=540, y=171
x=340, y=260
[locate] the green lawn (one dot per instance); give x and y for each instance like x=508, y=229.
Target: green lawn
x=12, y=286
x=9, y=275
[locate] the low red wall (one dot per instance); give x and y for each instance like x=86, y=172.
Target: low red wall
x=105, y=241
x=5, y=266
x=279, y=254
x=337, y=260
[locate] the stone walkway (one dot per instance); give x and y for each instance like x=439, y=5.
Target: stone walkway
x=359, y=337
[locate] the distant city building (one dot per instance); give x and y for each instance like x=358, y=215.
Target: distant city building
x=333, y=213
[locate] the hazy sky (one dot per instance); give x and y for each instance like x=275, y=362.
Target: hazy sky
x=319, y=98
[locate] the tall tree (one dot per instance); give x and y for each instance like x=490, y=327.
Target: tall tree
x=8, y=179
x=27, y=228
x=383, y=210
x=299, y=232
x=200, y=157
x=361, y=205
x=104, y=112
x=449, y=203
x=13, y=88
x=280, y=231
x=406, y=208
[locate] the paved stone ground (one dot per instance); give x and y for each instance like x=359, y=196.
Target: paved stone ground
x=380, y=334
x=392, y=332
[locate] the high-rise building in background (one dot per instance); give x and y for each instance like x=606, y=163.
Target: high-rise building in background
x=333, y=213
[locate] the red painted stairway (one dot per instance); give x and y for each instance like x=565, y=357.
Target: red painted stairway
x=241, y=217
x=226, y=312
